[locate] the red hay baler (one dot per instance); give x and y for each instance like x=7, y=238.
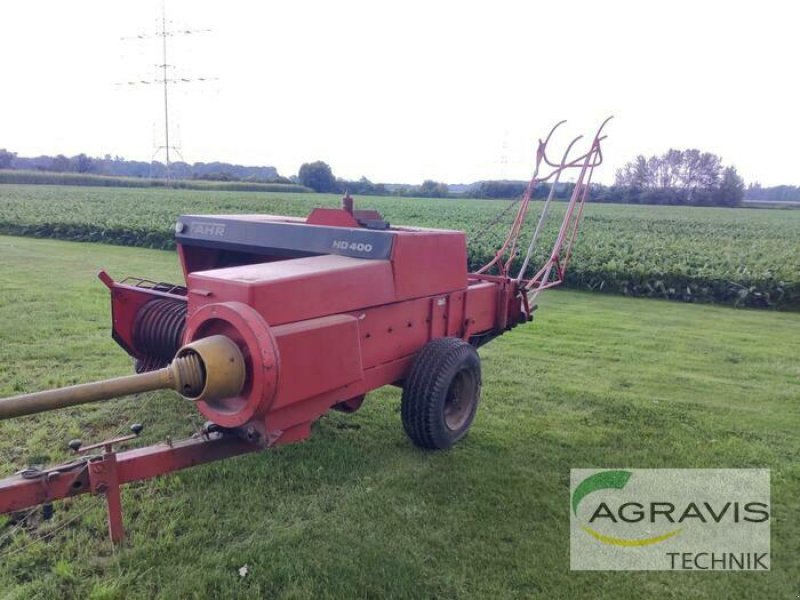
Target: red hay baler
x=281, y=319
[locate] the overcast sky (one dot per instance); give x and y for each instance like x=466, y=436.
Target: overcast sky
x=406, y=91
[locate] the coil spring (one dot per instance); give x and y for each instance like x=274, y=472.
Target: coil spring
x=148, y=363
x=190, y=373
x=158, y=332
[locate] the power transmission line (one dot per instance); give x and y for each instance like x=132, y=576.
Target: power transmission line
x=165, y=80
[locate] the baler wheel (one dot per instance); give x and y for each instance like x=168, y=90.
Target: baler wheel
x=441, y=393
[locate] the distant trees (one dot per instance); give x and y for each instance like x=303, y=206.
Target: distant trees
x=118, y=166
x=497, y=189
x=433, y=189
x=678, y=177
x=515, y=189
x=63, y=164
x=675, y=177
x=675, y=169
x=731, y=188
x=362, y=187
x=231, y=172
x=6, y=158
x=776, y=193
x=84, y=164
x=60, y=164
x=317, y=176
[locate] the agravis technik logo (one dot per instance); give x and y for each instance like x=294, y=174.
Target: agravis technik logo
x=612, y=480
x=671, y=519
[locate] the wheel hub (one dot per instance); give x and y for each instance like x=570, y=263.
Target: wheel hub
x=460, y=399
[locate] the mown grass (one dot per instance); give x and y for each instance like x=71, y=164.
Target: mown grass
x=744, y=257
x=357, y=511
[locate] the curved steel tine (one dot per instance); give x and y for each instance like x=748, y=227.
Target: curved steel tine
x=513, y=235
x=549, y=135
x=547, y=177
x=594, y=148
x=543, y=144
x=578, y=161
x=599, y=158
x=566, y=152
x=563, y=162
x=543, y=217
x=597, y=137
x=596, y=156
x=559, y=169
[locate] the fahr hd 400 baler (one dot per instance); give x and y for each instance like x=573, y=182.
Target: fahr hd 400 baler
x=282, y=319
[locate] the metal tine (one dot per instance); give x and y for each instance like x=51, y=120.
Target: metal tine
x=588, y=171
x=545, y=209
x=585, y=193
x=543, y=275
x=541, y=279
x=576, y=224
x=543, y=145
x=586, y=161
x=516, y=232
x=577, y=160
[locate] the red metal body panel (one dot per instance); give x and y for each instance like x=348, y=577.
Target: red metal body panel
x=393, y=331
x=324, y=361
x=324, y=352
x=427, y=262
x=331, y=216
x=293, y=290
x=481, y=311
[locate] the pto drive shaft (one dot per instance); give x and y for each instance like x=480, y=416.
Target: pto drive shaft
x=210, y=368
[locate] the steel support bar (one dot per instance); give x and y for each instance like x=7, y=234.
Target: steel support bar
x=104, y=474
x=152, y=461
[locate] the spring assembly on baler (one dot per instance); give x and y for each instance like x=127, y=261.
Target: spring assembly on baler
x=158, y=332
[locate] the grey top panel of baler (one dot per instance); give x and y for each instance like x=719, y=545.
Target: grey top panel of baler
x=282, y=238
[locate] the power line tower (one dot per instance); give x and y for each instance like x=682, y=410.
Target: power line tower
x=163, y=33
x=504, y=156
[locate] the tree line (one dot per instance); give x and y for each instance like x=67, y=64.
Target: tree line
x=319, y=176
x=776, y=193
x=119, y=167
x=677, y=177
x=689, y=177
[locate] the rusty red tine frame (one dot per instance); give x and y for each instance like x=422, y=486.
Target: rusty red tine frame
x=562, y=249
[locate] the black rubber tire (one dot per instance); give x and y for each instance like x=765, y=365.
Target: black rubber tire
x=441, y=393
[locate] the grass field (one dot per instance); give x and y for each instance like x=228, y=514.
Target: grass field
x=746, y=257
x=595, y=381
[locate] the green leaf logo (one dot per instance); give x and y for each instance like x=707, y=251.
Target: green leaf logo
x=615, y=480
x=599, y=481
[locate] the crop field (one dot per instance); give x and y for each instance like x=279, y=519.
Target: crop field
x=85, y=179
x=357, y=511
x=743, y=257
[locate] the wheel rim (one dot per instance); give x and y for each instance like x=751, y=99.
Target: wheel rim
x=460, y=399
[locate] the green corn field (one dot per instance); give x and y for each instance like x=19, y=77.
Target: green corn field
x=742, y=257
